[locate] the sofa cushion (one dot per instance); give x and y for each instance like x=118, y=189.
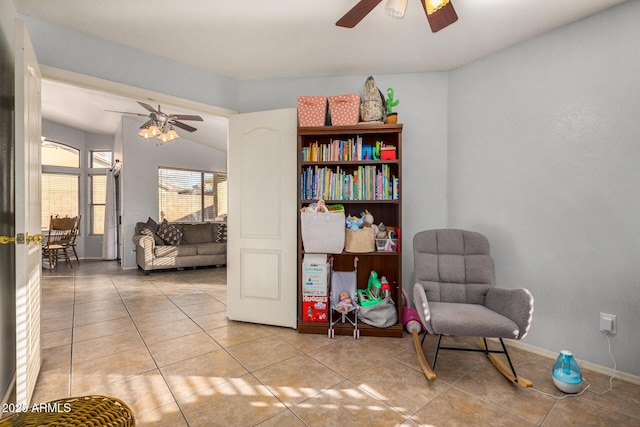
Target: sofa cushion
x=170, y=233
x=176, y=251
x=211, y=248
x=197, y=233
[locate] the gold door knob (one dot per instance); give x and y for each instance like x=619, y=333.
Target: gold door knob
x=5, y=240
x=36, y=238
x=21, y=239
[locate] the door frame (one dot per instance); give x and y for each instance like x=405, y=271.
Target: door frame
x=134, y=93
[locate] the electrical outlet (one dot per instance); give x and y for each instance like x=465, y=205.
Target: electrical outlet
x=608, y=323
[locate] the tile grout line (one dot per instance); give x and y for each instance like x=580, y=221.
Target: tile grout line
x=135, y=325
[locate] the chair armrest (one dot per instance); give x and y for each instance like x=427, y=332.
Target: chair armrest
x=515, y=304
x=145, y=249
x=143, y=240
x=422, y=306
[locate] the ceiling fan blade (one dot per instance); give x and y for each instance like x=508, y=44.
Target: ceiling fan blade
x=442, y=17
x=148, y=107
x=357, y=13
x=186, y=117
x=183, y=126
x=126, y=112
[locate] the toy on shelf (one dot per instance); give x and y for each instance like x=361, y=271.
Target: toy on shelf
x=343, y=298
x=391, y=117
x=371, y=296
x=354, y=223
x=345, y=302
x=385, y=287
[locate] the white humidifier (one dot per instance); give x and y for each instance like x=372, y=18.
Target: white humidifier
x=566, y=373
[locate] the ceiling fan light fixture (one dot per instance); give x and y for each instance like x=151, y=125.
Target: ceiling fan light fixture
x=154, y=130
x=396, y=8
x=172, y=134
x=164, y=137
x=434, y=5
x=145, y=133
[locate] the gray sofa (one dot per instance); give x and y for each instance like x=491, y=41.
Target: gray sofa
x=202, y=244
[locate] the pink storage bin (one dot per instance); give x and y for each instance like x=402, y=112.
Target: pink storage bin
x=312, y=110
x=344, y=109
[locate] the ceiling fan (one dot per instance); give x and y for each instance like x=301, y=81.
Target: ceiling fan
x=161, y=125
x=440, y=13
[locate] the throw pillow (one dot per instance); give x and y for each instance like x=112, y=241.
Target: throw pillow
x=146, y=232
x=153, y=226
x=169, y=233
x=221, y=233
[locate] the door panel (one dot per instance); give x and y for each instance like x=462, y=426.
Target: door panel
x=27, y=199
x=262, y=239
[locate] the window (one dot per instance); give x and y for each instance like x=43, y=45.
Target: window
x=98, y=188
x=58, y=154
x=101, y=159
x=187, y=196
x=60, y=193
x=59, y=196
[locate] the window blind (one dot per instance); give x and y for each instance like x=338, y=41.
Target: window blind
x=59, y=196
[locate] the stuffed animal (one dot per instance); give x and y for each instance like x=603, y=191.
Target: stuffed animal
x=367, y=218
x=354, y=223
x=345, y=303
x=313, y=207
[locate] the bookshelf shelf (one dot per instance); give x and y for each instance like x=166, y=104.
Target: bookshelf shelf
x=335, y=164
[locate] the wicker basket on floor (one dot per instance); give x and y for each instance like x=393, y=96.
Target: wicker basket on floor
x=75, y=411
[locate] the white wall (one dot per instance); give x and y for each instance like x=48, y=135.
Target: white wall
x=544, y=159
x=139, y=176
x=422, y=110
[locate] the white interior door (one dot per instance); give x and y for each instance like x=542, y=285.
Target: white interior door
x=27, y=199
x=262, y=230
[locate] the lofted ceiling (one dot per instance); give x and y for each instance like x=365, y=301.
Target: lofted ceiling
x=258, y=39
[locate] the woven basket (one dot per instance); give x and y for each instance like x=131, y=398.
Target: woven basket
x=359, y=241
x=76, y=411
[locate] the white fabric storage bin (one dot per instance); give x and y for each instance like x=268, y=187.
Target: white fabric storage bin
x=322, y=232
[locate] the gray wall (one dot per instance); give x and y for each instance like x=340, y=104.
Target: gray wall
x=422, y=110
x=62, y=48
x=544, y=151
x=7, y=204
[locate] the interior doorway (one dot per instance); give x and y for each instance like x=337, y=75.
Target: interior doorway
x=101, y=95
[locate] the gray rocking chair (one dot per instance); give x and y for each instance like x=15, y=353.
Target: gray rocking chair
x=454, y=295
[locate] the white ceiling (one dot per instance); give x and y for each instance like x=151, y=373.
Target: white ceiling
x=259, y=39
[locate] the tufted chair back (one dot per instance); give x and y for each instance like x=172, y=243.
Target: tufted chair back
x=453, y=265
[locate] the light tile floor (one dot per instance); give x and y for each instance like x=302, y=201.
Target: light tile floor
x=162, y=343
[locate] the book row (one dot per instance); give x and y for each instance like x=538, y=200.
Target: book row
x=364, y=183
x=347, y=150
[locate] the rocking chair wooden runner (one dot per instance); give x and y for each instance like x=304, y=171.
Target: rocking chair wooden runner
x=454, y=295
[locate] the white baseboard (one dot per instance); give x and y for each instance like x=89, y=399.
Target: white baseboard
x=583, y=363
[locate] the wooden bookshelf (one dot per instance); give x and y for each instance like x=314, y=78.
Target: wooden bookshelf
x=387, y=210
